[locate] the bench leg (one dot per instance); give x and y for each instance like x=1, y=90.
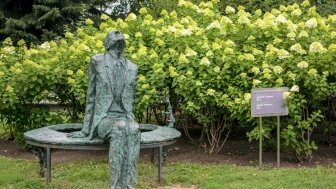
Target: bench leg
x=153, y=155
x=48, y=165
x=164, y=154
x=40, y=153
x=160, y=165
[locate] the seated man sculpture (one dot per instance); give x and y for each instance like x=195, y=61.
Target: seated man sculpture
x=108, y=113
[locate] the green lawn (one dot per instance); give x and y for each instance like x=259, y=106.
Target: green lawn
x=19, y=174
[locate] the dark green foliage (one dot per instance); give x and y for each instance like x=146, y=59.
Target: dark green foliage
x=39, y=20
x=97, y=7
x=156, y=6
x=30, y=119
x=324, y=7
x=36, y=21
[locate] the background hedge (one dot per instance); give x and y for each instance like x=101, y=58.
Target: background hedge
x=204, y=58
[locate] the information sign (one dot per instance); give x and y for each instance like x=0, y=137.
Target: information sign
x=268, y=102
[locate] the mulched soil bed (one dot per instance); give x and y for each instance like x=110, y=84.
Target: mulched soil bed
x=237, y=151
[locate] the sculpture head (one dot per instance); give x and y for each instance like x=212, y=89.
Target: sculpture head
x=115, y=41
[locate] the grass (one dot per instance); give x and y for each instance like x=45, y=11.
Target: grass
x=17, y=174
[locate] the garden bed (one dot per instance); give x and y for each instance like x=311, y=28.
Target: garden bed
x=236, y=151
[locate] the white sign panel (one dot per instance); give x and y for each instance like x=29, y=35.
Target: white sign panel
x=268, y=102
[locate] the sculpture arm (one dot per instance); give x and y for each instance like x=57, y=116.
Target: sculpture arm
x=90, y=99
x=130, y=114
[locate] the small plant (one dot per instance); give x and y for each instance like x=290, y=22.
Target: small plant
x=6, y=130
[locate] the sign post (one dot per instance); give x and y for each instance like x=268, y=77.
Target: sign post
x=278, y=142
x=260, y=142
x=268, y=102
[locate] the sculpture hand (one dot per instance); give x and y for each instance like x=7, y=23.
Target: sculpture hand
x=76, y=134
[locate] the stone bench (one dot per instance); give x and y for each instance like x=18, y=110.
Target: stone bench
x=55, y=137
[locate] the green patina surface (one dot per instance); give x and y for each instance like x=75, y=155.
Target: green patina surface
x=57, y=134
x=108, y=115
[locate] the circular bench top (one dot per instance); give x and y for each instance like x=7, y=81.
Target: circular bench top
x=57, y=135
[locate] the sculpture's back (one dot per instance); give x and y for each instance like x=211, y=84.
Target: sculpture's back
x=108, y=119
x=108, y=114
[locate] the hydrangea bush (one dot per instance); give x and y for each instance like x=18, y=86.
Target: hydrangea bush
x=210, y=61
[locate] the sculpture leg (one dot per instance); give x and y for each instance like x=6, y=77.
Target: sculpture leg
x=124, y=138
x=116, y=160
x=133, y=147
x=112, y=130
x=41, y=156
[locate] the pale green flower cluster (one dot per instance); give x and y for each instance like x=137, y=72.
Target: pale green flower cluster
x=9, y=89
x=316, y=47
x=281, y=19
x=256, y=82
x=88, y=21
x=332, y=48
x=45, y=46
x=295, y=88
x=246, y=57
x=312, y=72
x=286, y=95
x=298, y=48
x=243, y=19
x=210, y=92
x=217, y=69
x=282, y=54
x=277, y=69
x=198, y=83
x=183, y=59
x=230, y=10
x=214, y=24
x=255, y=70
x=303, y=34
x=311, y=23
x=302, y=64
x=69, y=72
x=190, y=52
x=9, y=50
x=205, y=61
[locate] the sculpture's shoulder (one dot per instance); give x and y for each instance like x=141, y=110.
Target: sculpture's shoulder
x=132, y=66
x=98, y=58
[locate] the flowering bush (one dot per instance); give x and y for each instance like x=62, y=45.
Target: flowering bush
x=211, y=61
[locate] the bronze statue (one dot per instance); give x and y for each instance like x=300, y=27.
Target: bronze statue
x=108, y=113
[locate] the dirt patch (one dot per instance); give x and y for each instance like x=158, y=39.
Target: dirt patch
x=236, y=151
x=178, y=187
x=9, y=149
x=239, y=151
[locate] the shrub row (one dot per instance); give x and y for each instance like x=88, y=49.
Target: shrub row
x=207, y=61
